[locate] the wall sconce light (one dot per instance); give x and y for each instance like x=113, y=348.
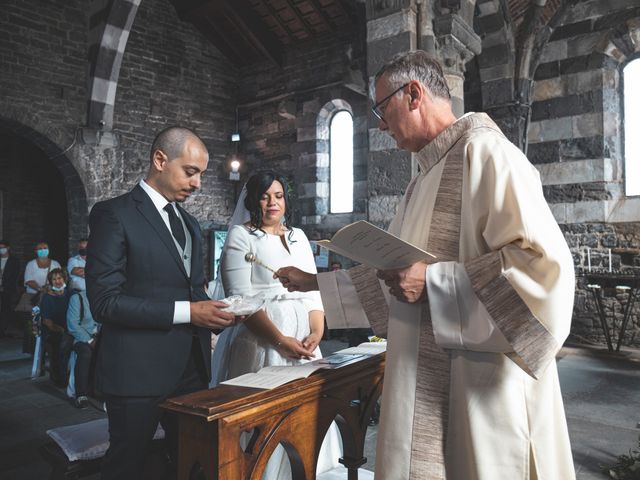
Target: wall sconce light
x=234, y=173
x=235, y=137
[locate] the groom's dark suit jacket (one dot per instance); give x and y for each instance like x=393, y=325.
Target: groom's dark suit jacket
x=134, y=276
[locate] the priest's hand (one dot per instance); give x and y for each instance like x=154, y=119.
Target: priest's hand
x=295, y=280
x=408, y=284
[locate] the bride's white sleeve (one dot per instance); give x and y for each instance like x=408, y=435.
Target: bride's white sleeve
x=235, y=270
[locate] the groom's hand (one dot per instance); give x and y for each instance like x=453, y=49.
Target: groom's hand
x=210, y=314
x=295, y=280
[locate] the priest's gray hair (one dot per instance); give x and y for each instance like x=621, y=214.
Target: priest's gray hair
x=415, y=65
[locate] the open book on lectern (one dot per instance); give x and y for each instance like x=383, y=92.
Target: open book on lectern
x=365, y=243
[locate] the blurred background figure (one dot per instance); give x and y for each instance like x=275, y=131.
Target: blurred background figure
x=57, y=341
x=37, y=270
x=75, y=267
x=9, y=273
x=82, y=327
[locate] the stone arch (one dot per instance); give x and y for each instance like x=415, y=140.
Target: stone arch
x=47, y=139
x=112, y=24
x=623, y=42
x=315, y=166
x=323, y=142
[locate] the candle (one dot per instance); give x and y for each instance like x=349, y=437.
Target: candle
x=609, y=260
x=589, y=258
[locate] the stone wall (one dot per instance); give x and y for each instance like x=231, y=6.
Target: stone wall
x=283, y=118
x=170, y=74
x=623, y=240
x=575, y=141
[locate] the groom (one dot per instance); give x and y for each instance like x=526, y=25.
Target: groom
x=145, y=283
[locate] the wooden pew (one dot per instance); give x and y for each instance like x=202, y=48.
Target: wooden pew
x=296, y=414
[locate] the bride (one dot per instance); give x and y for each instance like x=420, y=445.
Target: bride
x=288, y=329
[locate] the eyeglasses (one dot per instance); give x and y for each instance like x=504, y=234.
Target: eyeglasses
x=376, y=108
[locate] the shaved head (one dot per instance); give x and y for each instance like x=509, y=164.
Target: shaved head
x=171, y=141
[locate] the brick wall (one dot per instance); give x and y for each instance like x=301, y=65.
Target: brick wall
x=623, y=239
x=170, y=74
x=278, y=114
x=575, y=139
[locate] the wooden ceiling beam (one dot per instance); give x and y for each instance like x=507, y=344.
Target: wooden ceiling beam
x=323, y=14
x=253, y=29
x=347, y=9
x=299, y=17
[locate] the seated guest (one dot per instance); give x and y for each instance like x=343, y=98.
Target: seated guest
x=37, y=270
x=75, y=267
x=83, y=329
x=53, y=310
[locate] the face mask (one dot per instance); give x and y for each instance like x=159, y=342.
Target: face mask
x=43, y=252
x=82, y=252
x=4, y=251
x=59, y=289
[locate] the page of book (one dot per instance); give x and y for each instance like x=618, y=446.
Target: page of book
x=365, y=243
x=367, y=348
x=273, y=376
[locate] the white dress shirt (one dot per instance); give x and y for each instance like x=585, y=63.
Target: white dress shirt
x=182, y=310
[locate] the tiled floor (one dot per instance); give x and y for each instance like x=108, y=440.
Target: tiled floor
x=601, y=393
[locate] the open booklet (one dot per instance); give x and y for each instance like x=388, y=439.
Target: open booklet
x=275, y=375
x=365, y=243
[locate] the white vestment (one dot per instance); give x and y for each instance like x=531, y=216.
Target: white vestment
x=471, y=387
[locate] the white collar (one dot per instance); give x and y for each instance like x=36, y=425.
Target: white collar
x=156, y=197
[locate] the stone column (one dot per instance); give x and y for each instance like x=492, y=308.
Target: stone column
x=391, y=29
x=395, y=26
x=456, y=43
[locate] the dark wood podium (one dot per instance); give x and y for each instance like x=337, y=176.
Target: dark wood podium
x=296, y=415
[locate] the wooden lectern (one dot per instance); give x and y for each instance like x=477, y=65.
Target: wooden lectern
x=296, y=415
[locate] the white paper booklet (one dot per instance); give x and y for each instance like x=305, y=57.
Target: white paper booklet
x=372, y=246
x=274, y=376
x=367, y=348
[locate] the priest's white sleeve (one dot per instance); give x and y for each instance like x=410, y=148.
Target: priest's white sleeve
x=460, y=320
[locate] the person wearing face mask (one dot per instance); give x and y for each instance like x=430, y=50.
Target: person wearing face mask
x=9, y=272
x=53, y=309
x=36, y=271
x=75, y=267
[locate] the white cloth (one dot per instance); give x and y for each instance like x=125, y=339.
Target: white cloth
x=182, y=310
x=39, y=275
x=76, y=282
x=289, y=312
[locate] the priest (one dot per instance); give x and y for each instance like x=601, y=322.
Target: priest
x=471, y=388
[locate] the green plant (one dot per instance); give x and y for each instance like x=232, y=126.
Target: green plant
x=627, y=467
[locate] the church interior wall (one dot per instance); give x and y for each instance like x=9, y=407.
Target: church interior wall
x=575, y=140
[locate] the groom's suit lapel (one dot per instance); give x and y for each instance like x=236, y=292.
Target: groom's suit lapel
x=148, y=210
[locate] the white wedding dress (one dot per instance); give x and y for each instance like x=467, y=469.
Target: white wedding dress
x=239, y=351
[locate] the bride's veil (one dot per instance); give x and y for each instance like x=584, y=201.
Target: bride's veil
x=220, y=358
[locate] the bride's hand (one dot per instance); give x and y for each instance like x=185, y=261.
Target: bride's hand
x=291, y=347
x=311, y=341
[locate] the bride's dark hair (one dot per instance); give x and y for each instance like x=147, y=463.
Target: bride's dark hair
x=259, y=183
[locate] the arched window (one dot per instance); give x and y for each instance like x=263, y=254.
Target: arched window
x=631, y=82
x=341, y=162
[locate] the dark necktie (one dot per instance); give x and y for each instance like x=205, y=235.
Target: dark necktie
x=176, y=225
